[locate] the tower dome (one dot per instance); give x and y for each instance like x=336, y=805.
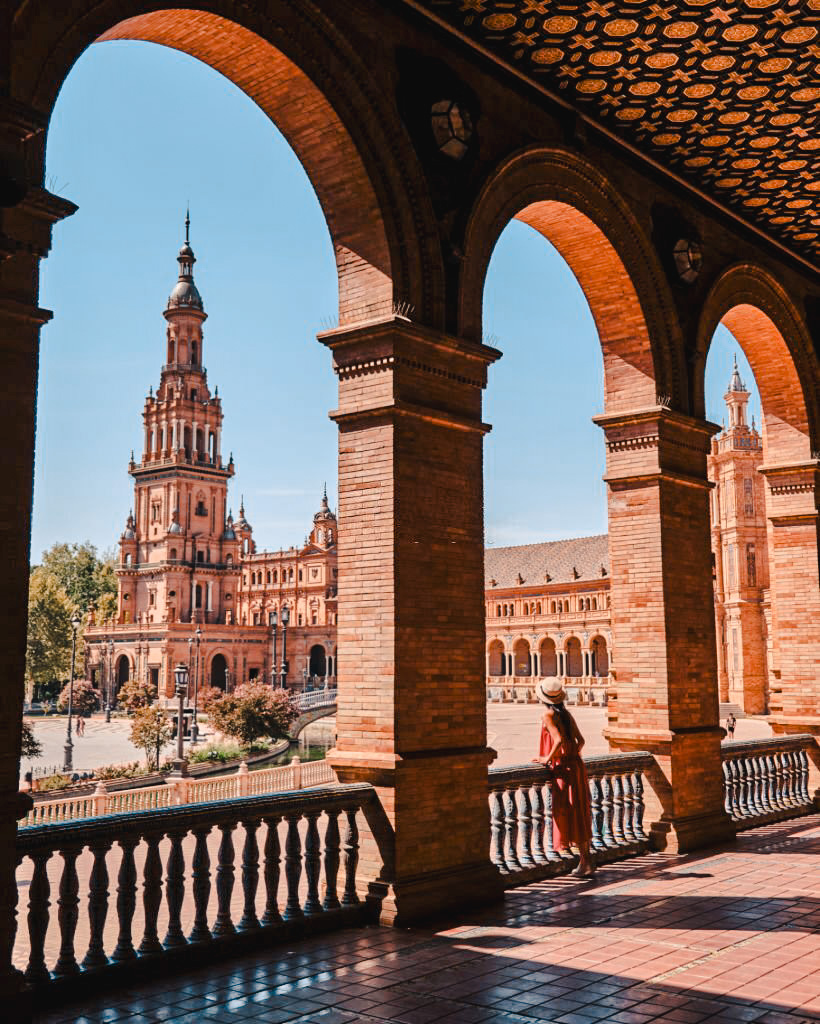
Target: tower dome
x=185, y=294
x=324, y=514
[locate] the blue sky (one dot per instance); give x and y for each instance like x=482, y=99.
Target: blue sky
x=138, y=131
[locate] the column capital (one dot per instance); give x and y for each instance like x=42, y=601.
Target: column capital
x=794, y=489
x=654, y=443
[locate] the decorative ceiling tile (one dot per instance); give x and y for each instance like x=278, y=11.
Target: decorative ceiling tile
x=725, y=94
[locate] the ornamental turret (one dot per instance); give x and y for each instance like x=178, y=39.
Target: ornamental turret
x=323, y=534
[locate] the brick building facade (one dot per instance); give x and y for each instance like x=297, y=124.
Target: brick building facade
x=192, y=586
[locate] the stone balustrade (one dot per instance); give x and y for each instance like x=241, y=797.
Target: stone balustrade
x=521, y=844
x=174, y=875
x=521, y=689
x=178, y=791
x=310, y=699
x=770, y=779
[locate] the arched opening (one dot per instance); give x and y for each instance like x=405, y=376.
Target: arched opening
x=317, y=664
x=219, y=672
x=574, y=657
x=198, y=596
x=122, y=672
x=549, y=657
x=600, y=657
x=764, y=501
x=522, y=665
x=497, y=660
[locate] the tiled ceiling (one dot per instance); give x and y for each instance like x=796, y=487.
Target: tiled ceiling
x=724, y=94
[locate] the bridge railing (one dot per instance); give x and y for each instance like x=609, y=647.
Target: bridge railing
x=769, y=779
x=132, y=889
x=311, y=699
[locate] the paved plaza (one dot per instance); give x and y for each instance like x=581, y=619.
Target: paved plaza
x=512, y=730
x=729, y=935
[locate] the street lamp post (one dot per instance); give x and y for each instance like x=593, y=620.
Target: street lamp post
x=181, y=680
x=194, y=723
x=110, y=678
x=273, y=623
x=285, y=621
x=68, y=753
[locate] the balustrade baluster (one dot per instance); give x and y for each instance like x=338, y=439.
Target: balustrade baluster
x=223, y=925
x=151, y=895
x=784, y=779
x=606, y=811
x=637, y=826
x=538, y=817
x=803, y=764
x=38, y=903
x=742, y=788
x=757, y=781
x=525, y=857
x=250, y=877
x=497, y=830
x=350, y=847
x=796, y=787
x=777, y=781
x=617, y=810
x=549, y=834
x=293, y=866
x=765, y=784
x=272, y=855
x=629, y=807
x=175, y=889
x=510, y=831
x=313, y=864
x=727, y=788
x=126, y=900
x=68, y=913
x=332, y=860
x=201, y=884
x=788, y=779
x=596, y=814
x=751, y=787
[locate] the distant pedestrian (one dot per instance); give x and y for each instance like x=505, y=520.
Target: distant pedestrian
x=731, y=722
x=81, y=726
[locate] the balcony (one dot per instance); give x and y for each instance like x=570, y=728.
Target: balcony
x=181, y=899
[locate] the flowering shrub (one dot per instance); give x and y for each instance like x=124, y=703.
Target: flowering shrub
x=85, y=698
x=252, y=711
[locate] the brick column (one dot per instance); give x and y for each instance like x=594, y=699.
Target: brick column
x=663, y=621
x=792, y=501
x=25, y=237
x=412, y=702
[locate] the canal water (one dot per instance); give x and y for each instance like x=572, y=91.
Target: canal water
x=313, y=743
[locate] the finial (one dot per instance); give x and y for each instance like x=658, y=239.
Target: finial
x=216, y=391
x=187, y=221
x=242, y=506
x=150, y=390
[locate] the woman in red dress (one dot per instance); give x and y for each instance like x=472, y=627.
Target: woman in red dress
x=560, y=748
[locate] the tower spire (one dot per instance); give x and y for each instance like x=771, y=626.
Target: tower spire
x=187, y=222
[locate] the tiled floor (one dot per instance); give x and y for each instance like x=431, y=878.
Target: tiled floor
x=732, y=935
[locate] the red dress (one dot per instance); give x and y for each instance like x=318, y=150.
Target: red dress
x=571, y=814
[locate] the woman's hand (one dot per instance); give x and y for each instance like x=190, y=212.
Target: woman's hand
x=539, y=760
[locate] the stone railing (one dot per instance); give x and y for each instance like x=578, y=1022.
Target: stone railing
x=174, y=875
x=178, y=791
x=521, y=844
x=768, y=780
x=590, y=690
x=310, y=699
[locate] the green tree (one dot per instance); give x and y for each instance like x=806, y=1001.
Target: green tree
x=84, y=697
x=151, y=730
x=252, y=711
x=135, y=694
x=86, y=578
x=31, y=747
x=48, y=649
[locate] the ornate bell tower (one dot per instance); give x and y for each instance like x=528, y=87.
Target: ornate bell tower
x=179, y=545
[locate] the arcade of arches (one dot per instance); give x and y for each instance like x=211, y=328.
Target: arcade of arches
x=414, y=204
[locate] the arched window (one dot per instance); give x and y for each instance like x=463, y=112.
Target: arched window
x=173, y=554
x=128, y=560
x=566, y=606
x=275, y=576
x=538, y=607
x=198, y=595
x=526, y=608
x=290, y=575
x=300, y=575
x=549, y=658
x=194, y=354
x=575, y=661
x=522, y=660
x=228, y=559
x=498, y=611
x=595, y=604
x=497, y=659
x=267, y=576
x=553, y=608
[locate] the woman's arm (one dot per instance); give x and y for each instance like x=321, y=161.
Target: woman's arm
x=555, y=738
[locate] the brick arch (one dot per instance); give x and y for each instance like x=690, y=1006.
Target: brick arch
x=311, y=83
x=776, y=341
x=572, y=204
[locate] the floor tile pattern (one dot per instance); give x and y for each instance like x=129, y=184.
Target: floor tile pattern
x=731, y=935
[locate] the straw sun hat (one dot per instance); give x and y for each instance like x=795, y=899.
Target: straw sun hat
x=549, y=692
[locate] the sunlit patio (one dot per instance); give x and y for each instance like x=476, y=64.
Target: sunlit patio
x=730, y=934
